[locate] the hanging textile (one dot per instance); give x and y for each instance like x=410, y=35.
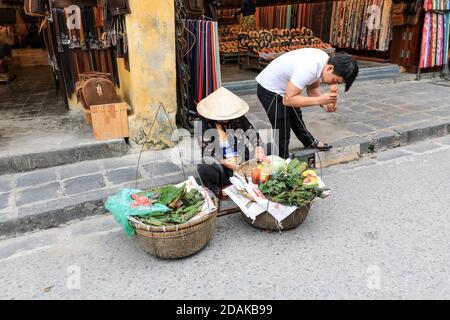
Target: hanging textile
x=361, y=24
x=80, y=48
x=202, y=60
x=436, y=33
x=314, y=16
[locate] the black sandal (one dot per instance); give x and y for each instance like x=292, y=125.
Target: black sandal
x=325, y=147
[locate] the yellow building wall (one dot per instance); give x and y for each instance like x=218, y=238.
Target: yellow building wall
x=151, y=82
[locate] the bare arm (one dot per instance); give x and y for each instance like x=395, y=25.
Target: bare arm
x=293, y=98
x=231, y=163
x=314, y=90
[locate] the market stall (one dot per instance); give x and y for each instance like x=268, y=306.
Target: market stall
x=257, y=48
x=374, y=31
x=177, y=221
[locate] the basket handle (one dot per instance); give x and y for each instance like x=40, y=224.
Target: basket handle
x=161, y=106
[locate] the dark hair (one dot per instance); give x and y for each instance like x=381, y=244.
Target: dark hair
x=346, y=67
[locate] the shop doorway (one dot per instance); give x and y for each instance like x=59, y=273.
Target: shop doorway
x=288, y=25
x=37, y=128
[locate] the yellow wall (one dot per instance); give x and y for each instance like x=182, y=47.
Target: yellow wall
x=151, y=81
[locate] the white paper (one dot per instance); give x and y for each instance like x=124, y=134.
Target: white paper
x=278, y=211
x=250, y=208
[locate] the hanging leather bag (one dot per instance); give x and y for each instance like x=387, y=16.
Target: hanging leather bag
x=413, y=7
x=118, y=7
x=194, y=8
x=95, y=88
x=398, y=7
x=414, y=19
x=68, y=3
x=36, y=8
x=7, y=15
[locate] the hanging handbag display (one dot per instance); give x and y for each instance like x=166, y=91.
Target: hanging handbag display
x=118, y=7
x=6, y=37
x=36, y=8
x=398, y=16
x=7, y=15
x=68, y=3
x=194, y=8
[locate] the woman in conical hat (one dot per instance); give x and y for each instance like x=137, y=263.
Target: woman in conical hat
x=224, y=130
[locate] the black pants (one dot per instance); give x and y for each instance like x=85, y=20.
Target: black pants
x=284, y=118
x=214, y=176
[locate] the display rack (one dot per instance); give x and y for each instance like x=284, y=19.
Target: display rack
x=228, y=57
x=251, y=60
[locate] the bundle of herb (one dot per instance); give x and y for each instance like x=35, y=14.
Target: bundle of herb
x=184, y=205
x=287, y=188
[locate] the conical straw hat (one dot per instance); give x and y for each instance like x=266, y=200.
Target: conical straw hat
x=222, y=104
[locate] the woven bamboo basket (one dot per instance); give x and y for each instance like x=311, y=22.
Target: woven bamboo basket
x=177, y=241
x=265, y=220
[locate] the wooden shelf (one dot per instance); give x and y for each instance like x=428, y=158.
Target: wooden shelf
x=235, y=4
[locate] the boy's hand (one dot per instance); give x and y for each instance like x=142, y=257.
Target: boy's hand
x=328, y=98
x=329, y=107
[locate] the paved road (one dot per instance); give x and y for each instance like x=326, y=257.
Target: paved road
x=384, y=233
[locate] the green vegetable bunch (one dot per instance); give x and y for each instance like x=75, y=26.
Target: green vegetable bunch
x=286, y=186
x=184, y=205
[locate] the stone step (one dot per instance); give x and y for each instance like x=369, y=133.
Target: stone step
x=62, y=156
x=49, y=197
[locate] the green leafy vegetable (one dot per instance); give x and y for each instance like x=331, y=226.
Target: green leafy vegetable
x=286, y=186
x=185, y=206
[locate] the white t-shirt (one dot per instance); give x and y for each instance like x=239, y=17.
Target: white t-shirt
x=302, y=67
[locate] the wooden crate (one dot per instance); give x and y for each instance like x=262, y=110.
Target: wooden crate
x=6, y=77
x=30, y=57
x=110, y=121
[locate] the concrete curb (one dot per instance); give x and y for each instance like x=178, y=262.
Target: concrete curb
x=48, y=159
x=343, y=151
x=353, y=148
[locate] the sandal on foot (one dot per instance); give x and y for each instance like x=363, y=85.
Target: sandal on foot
x=325, y=146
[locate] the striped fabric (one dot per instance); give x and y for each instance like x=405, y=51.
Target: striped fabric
x=435, y=35
x=203, y=60
x=314, y=16
x=361, y=24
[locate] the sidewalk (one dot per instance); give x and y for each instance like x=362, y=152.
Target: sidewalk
x=37, y=130
x=371, y=117
x=49, y=197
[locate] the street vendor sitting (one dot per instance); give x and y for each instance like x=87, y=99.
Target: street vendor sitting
x=226, y=137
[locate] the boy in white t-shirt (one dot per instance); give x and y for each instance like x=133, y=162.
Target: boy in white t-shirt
x=282, y=82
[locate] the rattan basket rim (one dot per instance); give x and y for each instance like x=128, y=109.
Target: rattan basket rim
x=176, y=233
x=145, y=227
